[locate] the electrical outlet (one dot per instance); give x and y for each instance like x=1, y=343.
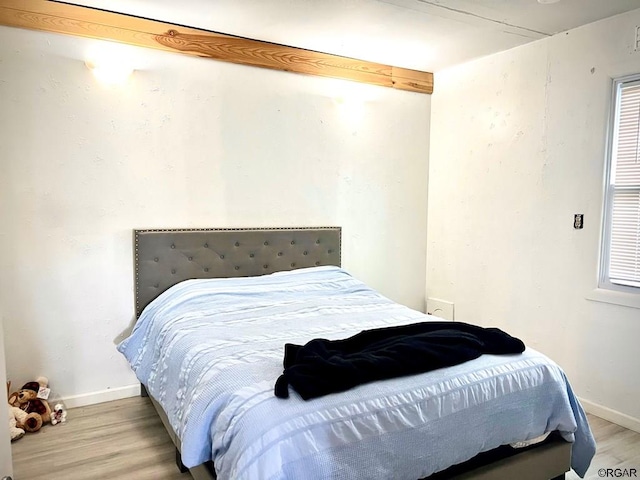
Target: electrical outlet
x=636, y=43
x=578, y=221
x=440, y=308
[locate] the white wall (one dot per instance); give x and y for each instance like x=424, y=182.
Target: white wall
x=6, y=466
x=518, y=147
x=187, y=142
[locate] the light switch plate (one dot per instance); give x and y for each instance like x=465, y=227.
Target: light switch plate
x=440, y=308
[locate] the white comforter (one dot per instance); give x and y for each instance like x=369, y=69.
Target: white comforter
x=210, y=352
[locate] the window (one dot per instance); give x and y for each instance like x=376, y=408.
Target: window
x=620, y=269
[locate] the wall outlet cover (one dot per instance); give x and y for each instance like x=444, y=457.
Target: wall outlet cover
x=578, y=221
x=440, y=308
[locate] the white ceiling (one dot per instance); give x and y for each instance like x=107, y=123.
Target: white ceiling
x=421, y=34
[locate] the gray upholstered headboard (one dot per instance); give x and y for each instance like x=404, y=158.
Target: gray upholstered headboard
x=166, y=257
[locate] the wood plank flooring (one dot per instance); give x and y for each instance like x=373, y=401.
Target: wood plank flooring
x=125, y=440
x=618, y=447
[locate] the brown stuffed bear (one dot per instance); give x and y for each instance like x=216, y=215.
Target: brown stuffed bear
x=27, y=400
x=14, y=414
x=21, y=421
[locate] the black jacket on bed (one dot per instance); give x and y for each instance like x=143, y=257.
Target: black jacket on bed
x=327, y=366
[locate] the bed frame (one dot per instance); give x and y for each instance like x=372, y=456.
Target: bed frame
x=166, y=257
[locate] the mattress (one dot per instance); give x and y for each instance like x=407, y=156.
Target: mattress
x=210, y=351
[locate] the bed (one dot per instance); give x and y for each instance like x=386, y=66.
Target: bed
x=183, y=273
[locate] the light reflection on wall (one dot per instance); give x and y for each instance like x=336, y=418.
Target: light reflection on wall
x=111, y=63
x=351, y=98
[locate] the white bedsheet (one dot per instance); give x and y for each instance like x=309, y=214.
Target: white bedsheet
x=210, y=352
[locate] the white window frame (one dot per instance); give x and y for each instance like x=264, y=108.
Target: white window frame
x=603, y=282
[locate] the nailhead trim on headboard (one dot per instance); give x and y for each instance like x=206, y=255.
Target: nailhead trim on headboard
x=164, y=257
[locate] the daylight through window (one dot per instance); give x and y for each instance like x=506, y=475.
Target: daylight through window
x=621, y=245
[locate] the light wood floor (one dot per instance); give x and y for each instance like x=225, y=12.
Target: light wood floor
x=125, y=440
x=618, y=447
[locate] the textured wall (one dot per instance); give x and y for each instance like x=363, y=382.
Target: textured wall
x=186, y=142
x=518, y=147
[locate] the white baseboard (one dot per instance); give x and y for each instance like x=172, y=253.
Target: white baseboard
x=100, y=397
x=611, y=415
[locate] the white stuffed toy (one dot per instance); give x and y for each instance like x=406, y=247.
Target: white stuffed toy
x=15, y=414
x=59, y=415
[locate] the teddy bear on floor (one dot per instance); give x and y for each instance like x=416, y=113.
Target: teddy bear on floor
x=27, y=400
x=14, y=430
x=21, y=421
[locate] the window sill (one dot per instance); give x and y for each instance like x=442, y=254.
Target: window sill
x=616, y=298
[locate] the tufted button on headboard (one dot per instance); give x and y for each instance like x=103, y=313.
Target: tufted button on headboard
x=166, y=257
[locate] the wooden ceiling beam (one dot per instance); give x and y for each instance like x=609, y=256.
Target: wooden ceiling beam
x=56, y=17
